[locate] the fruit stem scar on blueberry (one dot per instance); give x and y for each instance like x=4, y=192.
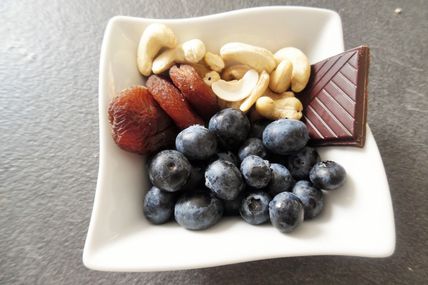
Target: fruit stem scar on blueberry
x=171, y=165
x=169, y=170
x=255, y=208
x=254, y=204
x=256, y=171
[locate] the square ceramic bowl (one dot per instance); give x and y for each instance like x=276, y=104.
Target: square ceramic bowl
x=357, y=219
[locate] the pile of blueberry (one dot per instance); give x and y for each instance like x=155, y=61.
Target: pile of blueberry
x=262, y=172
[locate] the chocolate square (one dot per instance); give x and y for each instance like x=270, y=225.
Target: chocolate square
x=335, y=99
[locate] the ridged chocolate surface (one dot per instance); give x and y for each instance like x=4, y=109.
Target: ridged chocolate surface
x=335, y=100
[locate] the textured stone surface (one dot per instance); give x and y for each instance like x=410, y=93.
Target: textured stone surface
x=49, y=52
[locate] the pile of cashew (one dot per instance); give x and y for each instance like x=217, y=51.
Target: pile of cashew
x=154, y=38
x=301, y=70
x=159, y=49
x=188, y=52
x=287, y=69
x=241, y=75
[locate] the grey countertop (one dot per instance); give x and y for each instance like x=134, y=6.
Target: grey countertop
x=49, y=140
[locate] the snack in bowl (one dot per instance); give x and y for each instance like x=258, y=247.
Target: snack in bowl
x=357, y=219
x=279, y=178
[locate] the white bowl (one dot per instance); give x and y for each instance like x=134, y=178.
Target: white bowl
x=357, y=219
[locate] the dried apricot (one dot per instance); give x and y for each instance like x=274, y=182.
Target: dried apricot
x=138, y=123
x=172, y=102
x=195, y=90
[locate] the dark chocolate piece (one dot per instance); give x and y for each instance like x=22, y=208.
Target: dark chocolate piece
x=335, y=99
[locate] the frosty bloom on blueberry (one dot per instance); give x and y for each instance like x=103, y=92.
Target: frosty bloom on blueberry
x=311, y=198
x=281, y=180
x=285, y=136
x=198, y=210
x=327, y=175
x=196, y=142
x=158, y=205
x=255, y=208
x=224, y=179
x=231, y=127
x=256, y=171
x=169, y=170
x=286, y=212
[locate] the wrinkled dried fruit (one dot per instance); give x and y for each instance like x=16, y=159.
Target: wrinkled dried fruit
x=138, y=123
x=172, y=102
x=194, y=89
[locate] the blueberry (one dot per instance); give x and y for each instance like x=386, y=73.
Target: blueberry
x=224, y=179
x=286, y=212
x=301, y=162
x=196, y=178
x=311, y=198
x=281, y=179
x=158, y=205
x=231, y=207
x=227, y=155
x=258, y=127
x=285, y=136
x=256, y=171
x=196, y=142
x=252, y=146
x=169, y=170
x=327, y=175
x=198, y=210
x=255, y=208
x=231, y=127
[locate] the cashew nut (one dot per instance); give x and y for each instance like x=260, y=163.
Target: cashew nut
x=188, y=52
x=301, y=67
x=233, y=72
x=259, y=90
x=211, y=77
x=154, y=37
x=256, y=57
x=236, y=90
x=214, y=61
x=280, y=78
x=280, y=106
